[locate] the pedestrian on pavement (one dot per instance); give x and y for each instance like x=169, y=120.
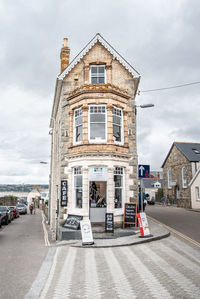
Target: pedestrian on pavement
x=31, y=208
x=163, y=201
x=34, y=210
x=141, y=201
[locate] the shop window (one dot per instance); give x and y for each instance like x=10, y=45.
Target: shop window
x=78, y=187
x=118, y=183
x=117, y=125
x=169, y=178
x=97, y=123
x=78, y=125
x=184, y=177
x=197, y=193
x=97, y=74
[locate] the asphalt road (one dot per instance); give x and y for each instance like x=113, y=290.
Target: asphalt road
x=182, y=220
x=22, y=251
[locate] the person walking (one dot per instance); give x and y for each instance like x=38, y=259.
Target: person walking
x=31, y=208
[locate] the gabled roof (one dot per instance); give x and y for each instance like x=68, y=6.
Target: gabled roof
x=149, y=183
x=101, y=40
x=190, y=150
x=195, y=176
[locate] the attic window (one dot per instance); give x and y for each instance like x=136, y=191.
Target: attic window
x=196, y=151
x=97, y=74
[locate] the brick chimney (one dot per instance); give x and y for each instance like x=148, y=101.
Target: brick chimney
x=64, y=55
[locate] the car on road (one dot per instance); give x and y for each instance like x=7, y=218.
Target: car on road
x=5, y=215
x=15, y=211
x=22, y=208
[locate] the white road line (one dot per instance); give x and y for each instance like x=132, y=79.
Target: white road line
x=51, y=274
x=63, y=286
x=122, y=285
x=92, y=285
x=183, y=282
x=176, y=232
x=152, y=283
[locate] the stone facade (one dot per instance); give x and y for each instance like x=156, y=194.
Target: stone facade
x=182, y=172
x=73, y=91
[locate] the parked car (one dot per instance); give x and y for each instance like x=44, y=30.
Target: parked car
x=0, y=219
x=15, y=211
x=5, y=215
x=22, y=208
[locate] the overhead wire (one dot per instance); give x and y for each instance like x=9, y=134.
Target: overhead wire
x=169, y=87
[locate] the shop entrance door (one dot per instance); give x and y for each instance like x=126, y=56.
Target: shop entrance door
x=97, y=201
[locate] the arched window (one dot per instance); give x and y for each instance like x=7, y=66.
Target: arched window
x=169, y=178
x=184, y=177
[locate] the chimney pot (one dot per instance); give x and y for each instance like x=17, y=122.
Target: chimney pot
x=64, y=55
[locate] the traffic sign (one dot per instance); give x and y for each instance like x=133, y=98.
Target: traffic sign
x=143, y=171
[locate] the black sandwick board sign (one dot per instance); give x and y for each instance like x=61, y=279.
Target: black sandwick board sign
x=130, y=214
x=73, y=222
x=109, y=223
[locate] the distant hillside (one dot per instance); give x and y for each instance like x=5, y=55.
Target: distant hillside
x=21, y=187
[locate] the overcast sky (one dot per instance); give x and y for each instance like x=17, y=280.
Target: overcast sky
x=159, y=38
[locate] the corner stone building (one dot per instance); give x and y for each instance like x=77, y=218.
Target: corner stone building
x=179, y=167
x=93, y=122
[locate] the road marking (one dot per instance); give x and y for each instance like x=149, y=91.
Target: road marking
x=46, y=238
x=176, y=232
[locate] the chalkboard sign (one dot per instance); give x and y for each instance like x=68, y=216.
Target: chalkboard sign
x=63, y=201
x=73, y=222
x=130, y=214
x=109, y=223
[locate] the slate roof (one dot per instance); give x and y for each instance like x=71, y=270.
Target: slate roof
x=149, y=183
x=101, y=40
x=190, y=150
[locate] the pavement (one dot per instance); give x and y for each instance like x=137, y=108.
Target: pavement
x=157, y=232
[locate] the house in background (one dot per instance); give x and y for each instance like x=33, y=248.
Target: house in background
x=179, y=168
x=151, y=185
x=195, y=190
x=93, y=126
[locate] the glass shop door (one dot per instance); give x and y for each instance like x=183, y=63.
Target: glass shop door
x=97, y=201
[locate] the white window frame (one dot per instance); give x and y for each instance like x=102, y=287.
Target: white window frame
x=77, y=171
x=98, y=65
x=197, y=193
x=97, y=140
x=121, y=126
x=169, y=178
x=120, y=171
x=74, y=126
x=184, y=178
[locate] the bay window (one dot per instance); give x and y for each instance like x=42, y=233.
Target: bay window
x=78, y=125
x=78, y=187
x=118, y=185
x=97, y=123
x=117, y=125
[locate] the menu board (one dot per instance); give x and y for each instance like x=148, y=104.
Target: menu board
x=130, y=213
x=64, y=187
x=73, y=222
x=109, y=223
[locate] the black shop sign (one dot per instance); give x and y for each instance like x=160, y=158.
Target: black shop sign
x=109, y=223
x=73, y=222
x=64, y=189
x=130, y=214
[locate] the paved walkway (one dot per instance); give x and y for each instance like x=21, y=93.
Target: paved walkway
x=167, y=268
